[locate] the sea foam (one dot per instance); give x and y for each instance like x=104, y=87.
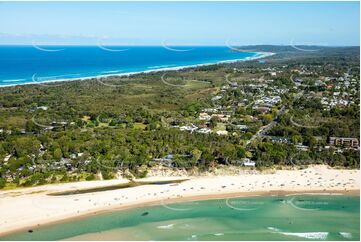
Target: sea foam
x=305, y=235
x=169, y=226
x=346, y=235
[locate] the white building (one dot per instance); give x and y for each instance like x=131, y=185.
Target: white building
x=222, y=132
x=190, y=128
x=204, y=116
x=216, y=98
x=204, y=131
x=248, y=162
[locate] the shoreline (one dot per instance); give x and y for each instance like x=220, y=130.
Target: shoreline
x=221, y=196
x=40, y=209
x=258, y=55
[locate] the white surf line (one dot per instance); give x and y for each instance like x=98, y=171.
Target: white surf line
x=43, y=83
x=306, y=235
x=169, y=226
x=346, y=235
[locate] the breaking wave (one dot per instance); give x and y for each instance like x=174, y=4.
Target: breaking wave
x=169, y=226
x=304, y=235
x=346, y=235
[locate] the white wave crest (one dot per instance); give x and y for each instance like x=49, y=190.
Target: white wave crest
x=13, y=80
x=305, y=235
x=169, y=226
x=274, y=229
x=308, y=235
x=346, y=235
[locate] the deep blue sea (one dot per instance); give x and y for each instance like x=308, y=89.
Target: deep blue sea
x=32, y=64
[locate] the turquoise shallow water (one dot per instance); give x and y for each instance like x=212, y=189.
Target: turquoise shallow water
x=300, y=217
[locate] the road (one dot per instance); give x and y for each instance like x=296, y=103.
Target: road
x=263, y=130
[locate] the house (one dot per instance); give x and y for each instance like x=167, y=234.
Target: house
x=221, y=117
x=210, y=110
x=190, y=128
x=242, y=127
x=7, y=158
x=76, y=155
x=233, y=84
x=215, y=98
x=298, y=82
x=222, y=132
x=302, y=147
x=280, y=140
x=204, y=131
x=42, y=150
x=249, y=163
x=262, y=110
x=341, y=141
x=204, y=116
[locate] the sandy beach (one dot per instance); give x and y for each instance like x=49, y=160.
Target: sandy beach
x=31, y=207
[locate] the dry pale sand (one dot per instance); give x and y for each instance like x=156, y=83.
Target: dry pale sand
x=31, y=207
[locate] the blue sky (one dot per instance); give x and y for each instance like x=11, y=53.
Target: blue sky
x=180, y=23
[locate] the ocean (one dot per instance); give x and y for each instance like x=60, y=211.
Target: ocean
x=293, y=217
x=33, y=64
